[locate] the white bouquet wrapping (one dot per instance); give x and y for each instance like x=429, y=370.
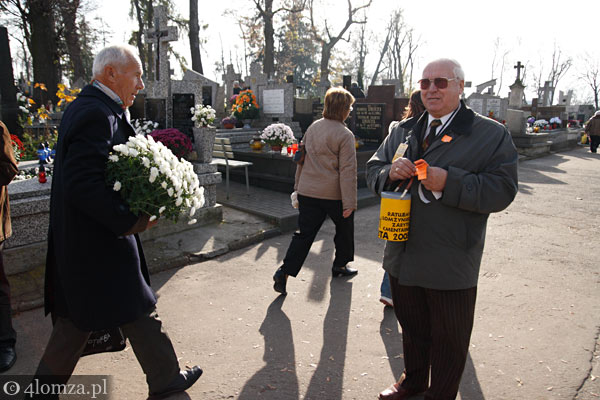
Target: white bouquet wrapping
x=294, y=198
x=203, y=115
x=152, y=180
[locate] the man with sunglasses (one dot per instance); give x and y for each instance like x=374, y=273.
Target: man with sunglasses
x=471, y=171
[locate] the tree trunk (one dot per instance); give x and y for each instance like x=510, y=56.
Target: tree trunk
x=139, y=35
x=325, y=57
x=269, y=62
x=43, y=50
x=69, y=15
x=195, y=38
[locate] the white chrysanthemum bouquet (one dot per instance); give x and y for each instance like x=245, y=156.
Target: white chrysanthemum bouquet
x=143, y=127
x=152, y=180
x=203, y=115
x=277, y=134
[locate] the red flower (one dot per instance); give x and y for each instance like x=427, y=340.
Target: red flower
x=174, y=139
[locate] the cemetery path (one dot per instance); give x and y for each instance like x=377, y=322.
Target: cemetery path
x=537, y=315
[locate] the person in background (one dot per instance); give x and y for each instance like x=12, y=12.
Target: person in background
x=414, y=109
x=96, y=273
x=471, y=172
x=592, y=129
x=356, y=91
x=326, y=186
x=8, y=170
x=236, y=87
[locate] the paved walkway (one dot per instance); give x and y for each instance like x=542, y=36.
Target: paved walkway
x=537, y=322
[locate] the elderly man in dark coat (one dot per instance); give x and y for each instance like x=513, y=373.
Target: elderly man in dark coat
x=96, y=274
x=472, y=172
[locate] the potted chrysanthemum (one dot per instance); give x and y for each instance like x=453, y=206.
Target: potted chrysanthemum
x=245, y=107
x=152, y=180
x=277, y=135
x=204, y=132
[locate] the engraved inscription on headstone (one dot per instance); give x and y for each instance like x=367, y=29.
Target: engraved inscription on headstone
x=368, y=121
x=476, y=105
x=182, y=116
x=136, y=111
x=156, y=110
x=273, y=101
x=207, y=96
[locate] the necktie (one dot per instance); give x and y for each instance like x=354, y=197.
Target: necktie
x=431, y=136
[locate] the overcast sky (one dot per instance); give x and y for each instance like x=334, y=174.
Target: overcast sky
x=465, y=30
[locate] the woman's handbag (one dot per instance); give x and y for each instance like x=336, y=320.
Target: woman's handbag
x=300, y=154
x=104, y=341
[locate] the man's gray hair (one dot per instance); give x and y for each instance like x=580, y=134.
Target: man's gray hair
x=119, y=54
x=457, y=68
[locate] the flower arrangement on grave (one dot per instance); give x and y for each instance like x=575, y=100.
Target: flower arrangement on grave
x=277, y=135
x=142, y=126
x=245, y=106
x=18, y=147
x=555, y=122
x=152, y=180
x=179, y=143
x=540, y=123
x=229, y=122
x=202, y=115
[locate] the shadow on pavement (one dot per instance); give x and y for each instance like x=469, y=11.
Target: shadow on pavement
x=277, y=379
x=327, y=381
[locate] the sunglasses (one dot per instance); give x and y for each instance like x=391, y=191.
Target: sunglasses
x=440, y=83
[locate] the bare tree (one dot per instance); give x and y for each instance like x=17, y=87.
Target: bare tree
x=360, y=48
x=558, y=68
x=327, y=40
x=383, y=52
x=266, y=12
x=591, y=76
x=195, y=37
x=498, y=61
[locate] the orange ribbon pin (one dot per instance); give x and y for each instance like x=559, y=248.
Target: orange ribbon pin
x=446, y=139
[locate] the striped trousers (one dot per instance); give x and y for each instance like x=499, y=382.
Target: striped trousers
x=436, y=330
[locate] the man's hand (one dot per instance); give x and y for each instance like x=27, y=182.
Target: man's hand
x=402, y=169
x=436, y=179
x=141, y=225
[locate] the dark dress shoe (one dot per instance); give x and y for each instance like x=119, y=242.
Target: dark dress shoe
x=181, y=383
x=8, y=357
x=343, y=271
x=280, y=279
x=397, y=392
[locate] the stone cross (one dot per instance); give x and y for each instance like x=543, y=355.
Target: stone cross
x=257, y=77
x=159, y=37
x=519, y=66
x=229, y=77
x=547, y=90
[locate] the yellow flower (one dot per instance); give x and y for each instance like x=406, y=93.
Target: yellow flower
x=41, y=86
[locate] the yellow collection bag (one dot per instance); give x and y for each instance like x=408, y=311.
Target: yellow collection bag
x=394, y=216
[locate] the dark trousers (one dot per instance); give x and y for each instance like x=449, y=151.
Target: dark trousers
x=8, y=336
x=436, y=330
x=151, y=345
x=594, y=142
x=312, y=214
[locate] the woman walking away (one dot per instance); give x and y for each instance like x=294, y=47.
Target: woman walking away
x=326, y=185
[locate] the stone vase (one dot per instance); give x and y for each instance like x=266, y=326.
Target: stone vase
x=204, y=140
x=247, y=123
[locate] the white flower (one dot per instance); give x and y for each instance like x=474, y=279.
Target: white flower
x=162, y=209
x=192, y=211
x=202, y=115
x=277, y=134
x=192, y=221
x=178, y=201
x=163, y=185
x=146, y=162
x=113, y=158
x=152, y=218
x=117, y=186
x=170, y=192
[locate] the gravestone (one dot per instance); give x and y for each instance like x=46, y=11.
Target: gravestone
x=8, y=91
x=205, y=91
x=485, y=104
x=276, y=101
x=317, y=110
x=383, y=94
x=565, y=99
x=368, y=122
x=347, y=82
x=136, y=111
x=489, y=84
x=229, y=77
x=397, y=83
x=547, y=94
x=156, y=110
x=515, y=98
x=256, y=80
x=182, y=116
x=159, y=88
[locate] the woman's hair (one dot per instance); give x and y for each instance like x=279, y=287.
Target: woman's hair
x=114, y=55
x=337, y=102
x=415, y=105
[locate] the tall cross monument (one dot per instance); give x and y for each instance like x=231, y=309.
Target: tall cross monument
x=160, y=37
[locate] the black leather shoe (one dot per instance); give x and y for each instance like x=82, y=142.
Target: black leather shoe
x=343, y=271
x=280, y=279
x=181, y=383
x=8, y=357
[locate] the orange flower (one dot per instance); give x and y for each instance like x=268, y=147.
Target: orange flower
x=41, y=86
